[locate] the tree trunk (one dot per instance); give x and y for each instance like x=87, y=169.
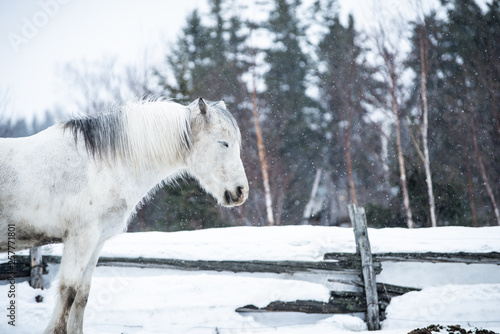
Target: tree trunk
x=402, y=172
x=471, y=192
x=482, y=169
x=471, y=196
x=262, y=156
x=308, y=210
x=425, y=127
x=495, y=106
x=348, y=156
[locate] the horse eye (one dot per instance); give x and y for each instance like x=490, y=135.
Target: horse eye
x=223, y=143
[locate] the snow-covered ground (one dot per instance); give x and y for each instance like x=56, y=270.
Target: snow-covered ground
x=133, y=300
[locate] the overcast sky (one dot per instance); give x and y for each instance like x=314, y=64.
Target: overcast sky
x=39, y=37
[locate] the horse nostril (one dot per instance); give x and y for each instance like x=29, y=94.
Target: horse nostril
x=239, y=191
x=227, y=195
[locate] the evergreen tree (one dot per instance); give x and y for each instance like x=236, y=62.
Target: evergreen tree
x=188, y=54
x=206, y=59
x=347, y=86
x=292, y=145
x=472, y=43
x=460, y=78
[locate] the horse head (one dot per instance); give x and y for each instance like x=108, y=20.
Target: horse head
x=214, y=158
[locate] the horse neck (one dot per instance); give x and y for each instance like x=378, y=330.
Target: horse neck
x=158, y=135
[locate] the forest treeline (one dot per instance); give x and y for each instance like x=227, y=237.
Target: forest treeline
x=343, y=115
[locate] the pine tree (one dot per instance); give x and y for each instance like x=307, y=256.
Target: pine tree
x=346, y=85
x=462, y=132
x=206, y=60
x=291, y=141
x=472, y=44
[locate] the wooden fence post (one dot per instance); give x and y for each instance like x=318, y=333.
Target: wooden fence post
x=358, y=220
x=36, y=279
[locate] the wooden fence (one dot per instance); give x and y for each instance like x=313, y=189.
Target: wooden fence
x=371, y=299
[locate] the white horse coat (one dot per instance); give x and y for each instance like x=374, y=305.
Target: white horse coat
x=79, y=182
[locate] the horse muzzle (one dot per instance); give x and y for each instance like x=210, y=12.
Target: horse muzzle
x=236, y=197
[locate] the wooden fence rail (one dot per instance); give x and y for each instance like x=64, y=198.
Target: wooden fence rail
x=433, y=257
x=277, y=267
x=339, y=302
x=348, y=263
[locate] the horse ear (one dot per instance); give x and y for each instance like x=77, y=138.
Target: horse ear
x=203, y=106
x=221, y=104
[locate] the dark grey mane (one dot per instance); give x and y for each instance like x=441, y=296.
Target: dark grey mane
x=102, y=134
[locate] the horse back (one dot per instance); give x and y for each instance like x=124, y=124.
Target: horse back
x=37, y=173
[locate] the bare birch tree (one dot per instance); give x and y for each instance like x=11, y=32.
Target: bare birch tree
x=310, y=207
x=388, y=53
x=425, y=120
x=389, y=61
x=262, y=155
x=348, y=150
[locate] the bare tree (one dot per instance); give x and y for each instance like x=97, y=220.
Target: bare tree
x=389, y=54
x=389, y=61
x=100, y=85
x=310, y=207
x=262, y=155
x=425, y=120
x=348, y=148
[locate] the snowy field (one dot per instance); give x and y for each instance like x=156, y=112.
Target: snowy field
x=133, y=300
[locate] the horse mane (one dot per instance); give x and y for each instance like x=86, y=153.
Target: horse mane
x=103, y=134
x=142, y=133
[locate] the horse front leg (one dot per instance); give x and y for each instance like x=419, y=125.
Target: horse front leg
x=77, y=253
x=75, y=320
